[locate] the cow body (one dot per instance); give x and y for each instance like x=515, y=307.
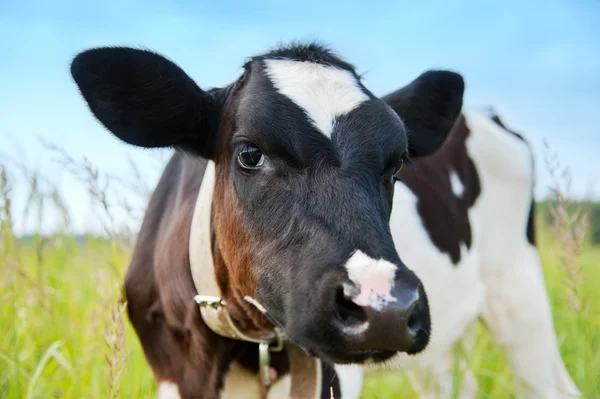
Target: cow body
x=312, y=214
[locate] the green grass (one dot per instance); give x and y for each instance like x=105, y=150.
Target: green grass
x=57, y=299
x=55, y=313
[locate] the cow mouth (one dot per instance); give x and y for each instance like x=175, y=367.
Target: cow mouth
x=352, y=357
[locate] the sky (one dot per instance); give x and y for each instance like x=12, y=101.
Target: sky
x=536, y=62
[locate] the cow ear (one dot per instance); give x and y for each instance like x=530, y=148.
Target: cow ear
x=146, y=100
x=429, y=106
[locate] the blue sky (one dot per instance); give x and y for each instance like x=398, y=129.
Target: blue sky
x=536, y=62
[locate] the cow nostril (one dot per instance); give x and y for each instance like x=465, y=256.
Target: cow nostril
x=414, y=321
x=348, y=313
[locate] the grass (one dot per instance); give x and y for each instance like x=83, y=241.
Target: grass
x=64, y=332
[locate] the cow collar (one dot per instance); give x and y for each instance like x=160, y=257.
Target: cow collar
x=305, y=371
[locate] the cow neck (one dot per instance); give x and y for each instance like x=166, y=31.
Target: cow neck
x=305, y=371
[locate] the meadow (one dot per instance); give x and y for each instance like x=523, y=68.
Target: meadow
x=64, y=332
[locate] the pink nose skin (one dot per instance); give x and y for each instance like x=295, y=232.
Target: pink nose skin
x=374, y=280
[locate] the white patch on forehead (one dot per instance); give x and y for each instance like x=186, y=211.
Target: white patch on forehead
x=324, y=92
x=373, y=278
x=457, y=187
x=168, y=390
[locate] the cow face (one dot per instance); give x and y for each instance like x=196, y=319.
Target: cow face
x=305, y=160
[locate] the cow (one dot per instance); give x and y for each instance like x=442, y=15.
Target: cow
x=367, y=232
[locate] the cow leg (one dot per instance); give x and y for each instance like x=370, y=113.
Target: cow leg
x=517, y=311
x=516, y=307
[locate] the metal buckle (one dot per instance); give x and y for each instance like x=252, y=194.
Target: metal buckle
x=209, y=301
x=264, y=361
x=264, y=356
x=264, y=346
x=278, y=341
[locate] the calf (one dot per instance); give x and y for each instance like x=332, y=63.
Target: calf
x=291, y=182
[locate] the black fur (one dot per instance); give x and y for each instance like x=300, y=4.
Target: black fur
x=310, y=52
x=147, y=100
x=317, y=199
x=330, y=382
x=530, y=231
x=429, y=107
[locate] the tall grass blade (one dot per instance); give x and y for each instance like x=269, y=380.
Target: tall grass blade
x=51, y=352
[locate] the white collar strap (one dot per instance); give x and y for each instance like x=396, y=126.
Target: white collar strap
x=212, y=305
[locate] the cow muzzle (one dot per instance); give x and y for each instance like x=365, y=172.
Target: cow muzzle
x=351, y=320
x=369, y=323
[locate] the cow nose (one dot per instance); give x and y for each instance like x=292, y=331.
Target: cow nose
x=393, y=322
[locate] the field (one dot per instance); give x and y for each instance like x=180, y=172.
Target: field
x=64, y=334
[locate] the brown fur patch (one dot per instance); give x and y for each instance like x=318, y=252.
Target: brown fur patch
x=444, y=215
x=234, y=264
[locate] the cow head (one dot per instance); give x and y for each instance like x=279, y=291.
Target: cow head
x=305, y=158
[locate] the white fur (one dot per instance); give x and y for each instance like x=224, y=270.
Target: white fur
x=373, y=278
x=517, y=307
x=280, y=388
x=241, y=383
x=324, y=92
x=499, y=278
x=455, y=293
x=457, y=187
x=168, y=390
x=350, y=378
x=355, y=330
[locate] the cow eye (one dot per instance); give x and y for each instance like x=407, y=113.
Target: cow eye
x=250, y=158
